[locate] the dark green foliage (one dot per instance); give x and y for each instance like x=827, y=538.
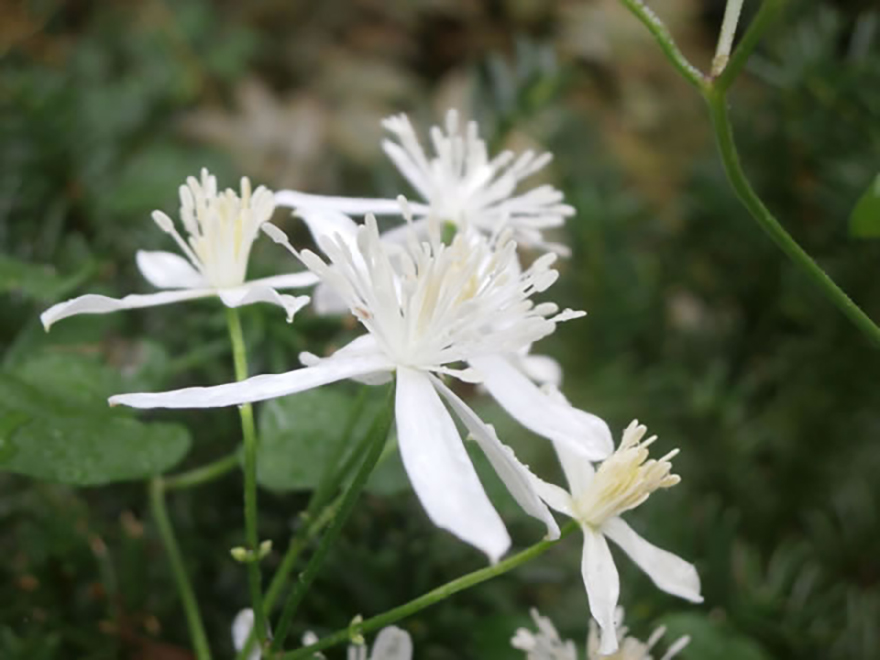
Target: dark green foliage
x=697, y=325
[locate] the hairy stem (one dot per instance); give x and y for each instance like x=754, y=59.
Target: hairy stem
x=667, y=44
x=378, y=434
x=249, y=434
x=432, y=597
x=178, y=570
x=715, y=94
x=717, y=101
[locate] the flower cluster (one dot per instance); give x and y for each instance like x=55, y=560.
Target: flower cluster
x=442, y=297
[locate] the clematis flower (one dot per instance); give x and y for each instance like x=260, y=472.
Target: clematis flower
x=221, y=228
x=598, y=497
x=459, y=185
x=546, y=644
x=436, y=309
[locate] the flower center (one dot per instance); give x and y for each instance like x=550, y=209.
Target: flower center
x=220, y=227
x=625, y=479
x=429, y=304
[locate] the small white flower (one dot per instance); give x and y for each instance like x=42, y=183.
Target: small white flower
x=622, y=482
x=631, y=648
x=220, y=228
x=546, y=644
x=459, y=184
x=392, y=643
x=433, y=311
x=242, y=626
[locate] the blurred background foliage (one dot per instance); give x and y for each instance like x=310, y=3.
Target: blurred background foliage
x=697, y=325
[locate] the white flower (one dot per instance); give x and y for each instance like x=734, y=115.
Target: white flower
x=221, y=228
x=546, y=644
x=242, y=626
x=459, y=184
x=391, y=643
x=439, y=308
x=622, y=482
x=632, y=648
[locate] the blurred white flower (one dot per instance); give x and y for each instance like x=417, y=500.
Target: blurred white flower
x=459, y=185
x=437, y=308
x=242, y=626
x=546, y=644
x=622, y=482
x=221, y=228
x=392, y=643
x=631, y=648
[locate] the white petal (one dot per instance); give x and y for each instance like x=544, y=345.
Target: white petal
x=517, y=477
x=242, y=626
x=94, y=304
x=440, y=469
x=524, y=401
x=392, y=643
x=299, y=280
x=250, y=293
x=603, y=586
x=353, y=205
x=258, y=388
x=669, y=572
x=542, y=369
x=360, y=346
x=330, y=223
x=166, y=270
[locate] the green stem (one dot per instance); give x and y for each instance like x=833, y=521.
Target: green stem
x=204, y=473
x=717, y=101
x=297, y=544
x=430, y=598
x=762, y=20
x=314, y=522
x=667, y=44
x=715, y=94
x=378, y=434
x=178, y=570
x=249, y=434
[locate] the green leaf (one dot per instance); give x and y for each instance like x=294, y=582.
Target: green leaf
x=55, y=424
x=864, y=221
x=36, y=281
x=84, y=450
x=300, y=434
x=710, y=639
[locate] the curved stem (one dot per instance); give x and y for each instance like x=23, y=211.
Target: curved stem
x=762, y=20
x=661, y=33
x=378, y=435
x=204, y=473
x=717, y=101
x=430, y=598
x=249, y=434
x=184, y=588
